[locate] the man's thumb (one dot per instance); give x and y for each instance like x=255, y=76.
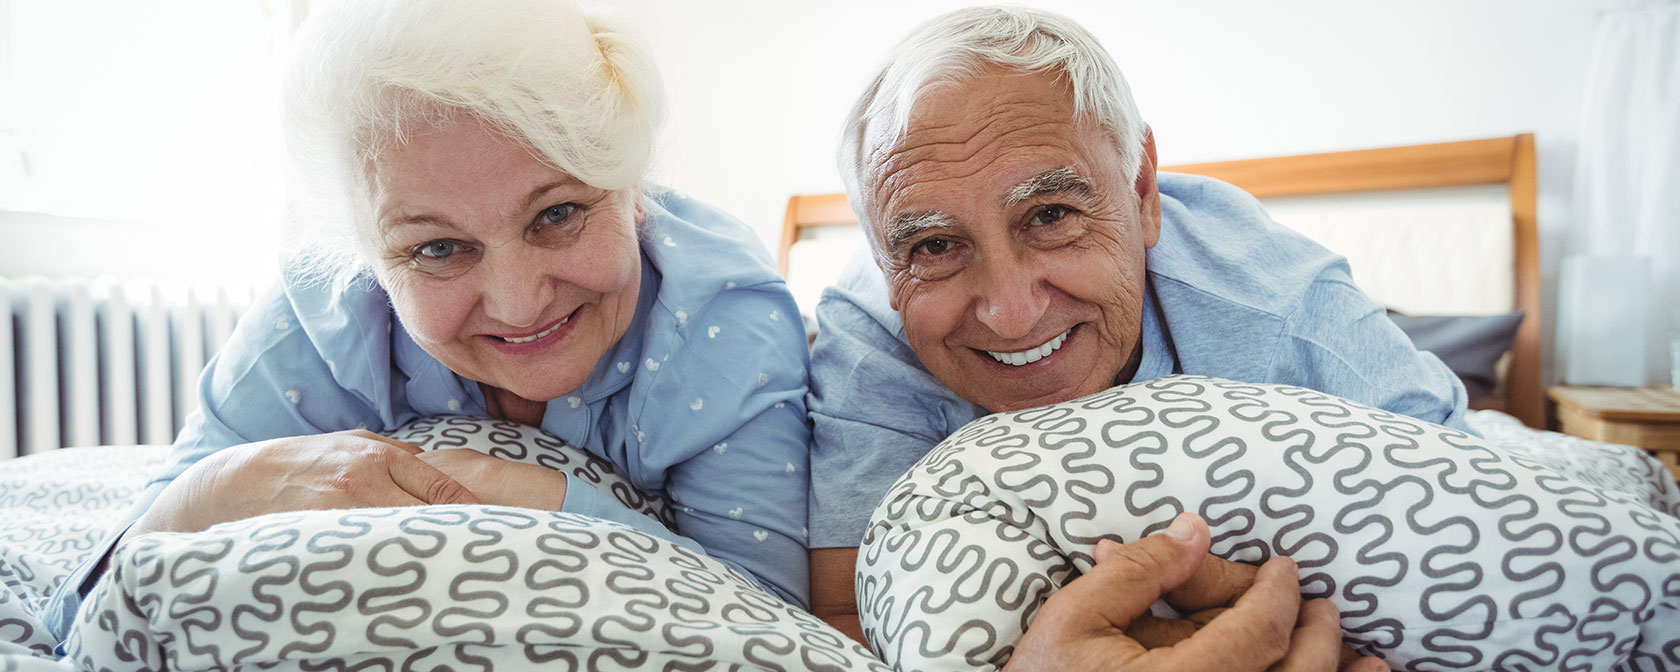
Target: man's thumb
x=1172, y=555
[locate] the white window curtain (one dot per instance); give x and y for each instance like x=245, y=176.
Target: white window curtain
x=1624, y=243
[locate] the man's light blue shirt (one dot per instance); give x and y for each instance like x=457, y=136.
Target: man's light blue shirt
x=702, y=400
x=1229, y=294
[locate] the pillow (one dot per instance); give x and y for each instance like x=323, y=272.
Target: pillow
x=1442, y=551
x=1470, y=345
x=523, y=443
x=437, y=587
x=444, y=587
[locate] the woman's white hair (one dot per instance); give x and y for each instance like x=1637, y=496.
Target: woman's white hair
x=575, y=89
x=953, y=48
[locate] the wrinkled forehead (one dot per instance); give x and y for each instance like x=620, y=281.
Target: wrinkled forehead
x=1000, y=129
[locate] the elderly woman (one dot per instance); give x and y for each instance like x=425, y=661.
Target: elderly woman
x=483, y=244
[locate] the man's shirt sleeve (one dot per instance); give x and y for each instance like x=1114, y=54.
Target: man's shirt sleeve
x=1341, y=342
x=875, y=411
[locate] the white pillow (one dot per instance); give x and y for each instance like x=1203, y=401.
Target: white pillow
x=436, y=587
x=444, y=587
x=531, y=445
x=1442, y=551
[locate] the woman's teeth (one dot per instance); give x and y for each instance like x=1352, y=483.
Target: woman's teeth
x=545, y=332
x=1031, y=355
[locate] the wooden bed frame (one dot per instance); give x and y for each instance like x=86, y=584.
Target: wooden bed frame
x=1507, y=161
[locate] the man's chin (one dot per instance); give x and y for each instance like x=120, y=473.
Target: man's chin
x=1026, y=399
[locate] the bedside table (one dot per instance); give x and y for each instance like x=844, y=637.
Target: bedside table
x=1648, y=417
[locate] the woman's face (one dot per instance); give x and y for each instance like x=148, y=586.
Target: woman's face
x=508, y=271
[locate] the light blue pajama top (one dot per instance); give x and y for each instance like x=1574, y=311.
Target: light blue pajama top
x=702, y=400
x=1228, y=294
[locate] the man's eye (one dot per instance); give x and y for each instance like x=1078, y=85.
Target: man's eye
x=438, y=249
x=1050, y=214
x=932, y=247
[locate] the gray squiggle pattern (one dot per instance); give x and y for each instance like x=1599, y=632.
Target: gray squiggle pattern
x=55, y=507
x=438, y=587
x=444, y=587
x=1443, y=551
x=531, y=445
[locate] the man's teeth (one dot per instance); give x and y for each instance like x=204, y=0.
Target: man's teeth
x=545, y=332
x=1031, y=355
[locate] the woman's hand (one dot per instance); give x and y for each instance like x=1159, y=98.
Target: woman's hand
x=341, y=470
x=501, y=482
x=1084, y=625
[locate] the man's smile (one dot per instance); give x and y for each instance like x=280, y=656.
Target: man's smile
x=1031, y=355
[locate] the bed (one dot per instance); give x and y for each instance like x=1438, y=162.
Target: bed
x=427, y=587
x=265, y=606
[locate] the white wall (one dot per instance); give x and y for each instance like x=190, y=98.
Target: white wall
x=758, y=87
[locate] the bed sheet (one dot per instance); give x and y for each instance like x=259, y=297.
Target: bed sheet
x=56, y=507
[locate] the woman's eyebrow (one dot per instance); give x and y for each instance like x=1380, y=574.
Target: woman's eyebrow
x=1054, y=181
x=542, y=189
x=389, y=222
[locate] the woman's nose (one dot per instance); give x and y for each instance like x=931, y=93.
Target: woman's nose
x=517, y=288
x=1011, y=297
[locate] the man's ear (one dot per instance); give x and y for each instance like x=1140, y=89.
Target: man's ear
x=1149, y=194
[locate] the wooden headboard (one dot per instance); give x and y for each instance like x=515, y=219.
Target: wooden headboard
x=1507, y=161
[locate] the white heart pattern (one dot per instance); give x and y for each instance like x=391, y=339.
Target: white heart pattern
x=698, y=402
x=573, y=401
x=721, y=447
x=624, y=367
x=790, y=468
x=669, y=242
x=682, y=318
x=282, y=324
x=761, y=535
x=729, y=285
x=776, y=315
x=712, y=331
x=293, y=396
x=763, y=378
x=735, y=513
x=652, y=365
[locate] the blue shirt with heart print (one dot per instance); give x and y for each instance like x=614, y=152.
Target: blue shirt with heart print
x=702, y=401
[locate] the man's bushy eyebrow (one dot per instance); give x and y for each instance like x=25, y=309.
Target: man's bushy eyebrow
x=907, y=226
x=1054, y=181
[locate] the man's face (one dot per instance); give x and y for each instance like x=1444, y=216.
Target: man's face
x=1011, y=242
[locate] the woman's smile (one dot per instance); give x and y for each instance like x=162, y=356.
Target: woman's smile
x=533, y=342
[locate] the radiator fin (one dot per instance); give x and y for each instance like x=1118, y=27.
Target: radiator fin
x=105, y=362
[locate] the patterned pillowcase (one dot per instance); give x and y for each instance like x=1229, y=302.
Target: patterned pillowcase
x=444, y=587
x=531, y=445
x=1442, y=550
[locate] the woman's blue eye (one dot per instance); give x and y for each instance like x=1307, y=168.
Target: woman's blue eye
x=438, y=249
x=559, y=214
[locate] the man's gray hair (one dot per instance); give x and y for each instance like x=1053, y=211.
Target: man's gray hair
x=365, y=74
x=955, y=47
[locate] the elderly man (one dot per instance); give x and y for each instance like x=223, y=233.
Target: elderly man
x=1026, y=252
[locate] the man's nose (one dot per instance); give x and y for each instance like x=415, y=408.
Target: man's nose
x=1012, y=298
x=517, y=287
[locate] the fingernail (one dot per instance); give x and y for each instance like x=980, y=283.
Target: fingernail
x=1182, y=529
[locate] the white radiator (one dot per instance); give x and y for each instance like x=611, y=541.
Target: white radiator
x=104, y=362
